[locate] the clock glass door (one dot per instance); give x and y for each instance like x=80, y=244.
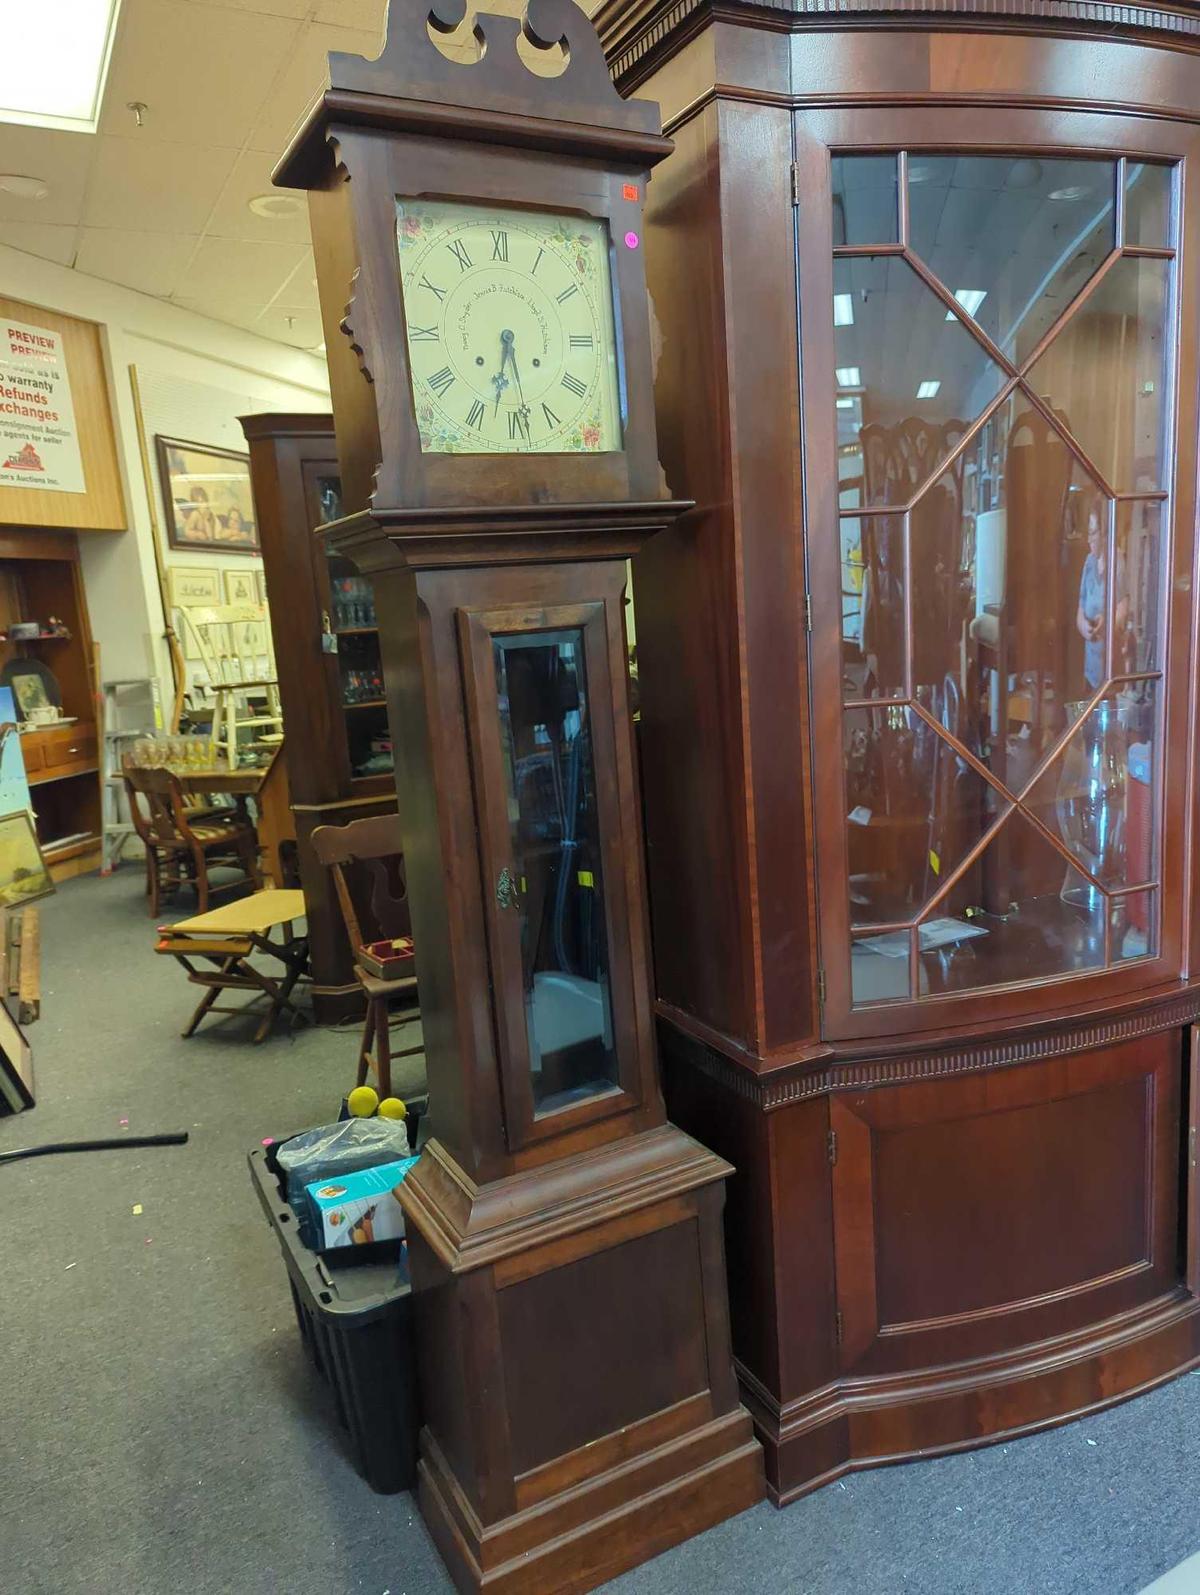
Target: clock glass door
x=539, y=701
x=1002, y=393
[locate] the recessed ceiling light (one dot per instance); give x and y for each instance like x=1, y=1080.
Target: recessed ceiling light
x=970, y=299
x=929, y=388
x=849, y=377
x=276, y=206
x=843, y=310
x=23, y=187
x=1075, y=191
x=52, y=72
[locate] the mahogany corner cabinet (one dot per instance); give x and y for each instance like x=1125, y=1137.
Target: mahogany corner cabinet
x=919, y=703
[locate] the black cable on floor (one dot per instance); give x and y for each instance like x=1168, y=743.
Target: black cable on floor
x=173, y=1138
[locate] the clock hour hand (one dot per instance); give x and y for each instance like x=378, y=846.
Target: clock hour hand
x=523, y=408
x=500, y=381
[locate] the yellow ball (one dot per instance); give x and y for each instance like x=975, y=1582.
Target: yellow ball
x=362, y=1101
x=392, y=1108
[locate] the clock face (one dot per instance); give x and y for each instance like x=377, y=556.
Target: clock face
x=510, y=330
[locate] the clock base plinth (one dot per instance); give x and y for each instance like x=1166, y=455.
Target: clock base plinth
x=581, y=1413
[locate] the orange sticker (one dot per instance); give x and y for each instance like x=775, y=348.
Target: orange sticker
x=630, y=191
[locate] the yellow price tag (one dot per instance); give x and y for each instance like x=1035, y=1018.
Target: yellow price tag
x=586, y=878
x=935, y=862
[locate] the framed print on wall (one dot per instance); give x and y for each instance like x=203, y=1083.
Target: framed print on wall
x=241, y=587
x=188, y=585
x=207, y=498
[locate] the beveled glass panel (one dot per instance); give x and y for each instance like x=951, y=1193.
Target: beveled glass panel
x=1134, y=926
x=555, y=883
x=873, y=606
x=1105, y=373
x=1139, y=567
x=1013, y=237
x=1022, y=913
x=1148, y=205
x=879, y=967
x=1100, y=793
x=864, y=199
x=918, y=376
x=914, y=809
x=998, y=545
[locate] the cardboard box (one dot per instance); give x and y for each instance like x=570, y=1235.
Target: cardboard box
x=358, y=1209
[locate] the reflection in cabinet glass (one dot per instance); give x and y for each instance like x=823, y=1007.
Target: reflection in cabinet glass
x=556, y=883
x=1003, y=386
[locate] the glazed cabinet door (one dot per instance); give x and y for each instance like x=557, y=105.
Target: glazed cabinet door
x=1000, y=471
x=540, y=693
x=968, y=1216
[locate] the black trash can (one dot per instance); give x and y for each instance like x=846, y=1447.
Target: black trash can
x=356, y=1321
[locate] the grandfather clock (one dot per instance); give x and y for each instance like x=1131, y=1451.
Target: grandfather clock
x=477, y=227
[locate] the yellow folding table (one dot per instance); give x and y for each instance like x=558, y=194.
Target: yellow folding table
x=216, y=948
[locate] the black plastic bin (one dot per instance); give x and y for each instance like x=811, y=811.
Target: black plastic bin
x=356, y=1321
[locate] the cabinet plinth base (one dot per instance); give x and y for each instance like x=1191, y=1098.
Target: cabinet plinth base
x=581, y=1409
x=864, y=1423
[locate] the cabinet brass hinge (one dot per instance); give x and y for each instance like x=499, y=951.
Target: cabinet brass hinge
x=838, y=1326
x=795, y=184
x=831, y=1145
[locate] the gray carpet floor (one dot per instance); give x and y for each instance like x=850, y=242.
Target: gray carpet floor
x=160, y=1429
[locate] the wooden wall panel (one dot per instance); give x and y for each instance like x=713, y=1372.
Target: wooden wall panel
x=102, y=506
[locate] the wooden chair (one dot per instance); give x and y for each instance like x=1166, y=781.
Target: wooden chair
x=234, y=643
x=367, y=863
x=180, y=844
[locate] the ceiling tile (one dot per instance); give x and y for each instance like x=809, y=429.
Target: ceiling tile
x=304, y=333
x=40, y=238
x=254, y=272
x=299, y=292
x=62, y=160
x=149, y=262
x=299, y=83
x=233, y=218
x=200, y=70
x=296, y=9
x=154, y=188
x=365, y=14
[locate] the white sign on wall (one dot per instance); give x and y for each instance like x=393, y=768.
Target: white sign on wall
x=39, y=446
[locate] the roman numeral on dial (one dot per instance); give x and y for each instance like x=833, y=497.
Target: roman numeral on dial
x=459, y=250
x=567, y=292
x=475, y=415
x=552, y=420
x=441, y=381
x=500, y=247
x=433, y=288
x=423, y=335
x=516, y=425
x=582, y=340
x=573, y=385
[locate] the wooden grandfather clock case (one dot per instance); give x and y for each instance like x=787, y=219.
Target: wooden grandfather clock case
x=477, y=231
x=919, y=704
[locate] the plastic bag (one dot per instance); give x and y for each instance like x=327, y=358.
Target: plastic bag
x=333, y=1149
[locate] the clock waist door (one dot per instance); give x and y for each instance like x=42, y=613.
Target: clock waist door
x=540, y=697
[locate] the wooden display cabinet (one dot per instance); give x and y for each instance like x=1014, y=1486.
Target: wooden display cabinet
x=40, y=577
x=334, y=715
x=919, y=703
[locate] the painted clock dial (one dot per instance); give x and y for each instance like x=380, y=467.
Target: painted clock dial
x=511, y=337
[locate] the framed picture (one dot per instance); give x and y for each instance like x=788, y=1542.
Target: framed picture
x=207, y=498
x=23, y=872
x=241, y=587
x=188, y=585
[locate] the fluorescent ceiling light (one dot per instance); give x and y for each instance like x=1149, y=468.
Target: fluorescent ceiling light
x=54, y=63
x=970, y=299
x=843, y=310
x=848, y=377
x=928, y=389
x=845, y=404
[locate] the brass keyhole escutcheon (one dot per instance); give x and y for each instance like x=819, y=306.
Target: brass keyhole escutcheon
x=506, y=889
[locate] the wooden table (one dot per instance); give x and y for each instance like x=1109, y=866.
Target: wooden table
x=242, y=782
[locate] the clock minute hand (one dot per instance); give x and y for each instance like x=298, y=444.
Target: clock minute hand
x=523, y=410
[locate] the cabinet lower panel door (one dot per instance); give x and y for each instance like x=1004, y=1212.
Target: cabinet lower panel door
x=977, y=1215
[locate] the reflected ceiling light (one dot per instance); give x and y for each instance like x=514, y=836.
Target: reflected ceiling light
x=919, y=174
x=970, y=299
x=845, y=404
x=275, y=206
x=52, y=71
x=1076, y=191
x=23, y=187
x=929, y=388
x=848, y=377
x=843, y=310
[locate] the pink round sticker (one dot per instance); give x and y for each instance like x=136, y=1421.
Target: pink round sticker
x=631, y=240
